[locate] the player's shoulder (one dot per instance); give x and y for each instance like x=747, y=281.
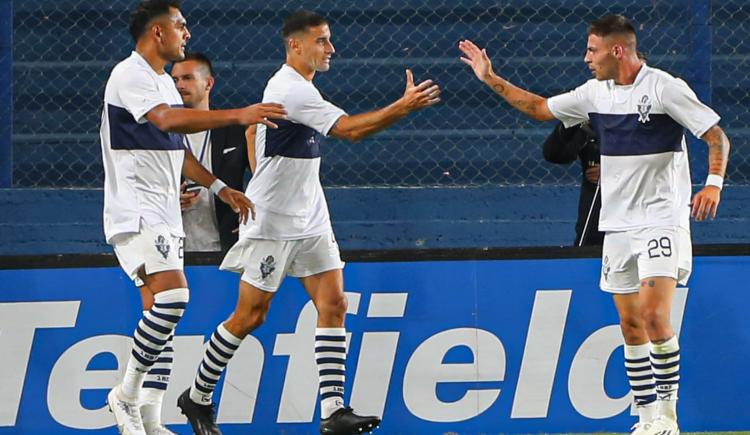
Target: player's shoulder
x=663, y=78
x=128, y=70
x=288, y=87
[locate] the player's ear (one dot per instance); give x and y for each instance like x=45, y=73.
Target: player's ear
x=210, y=83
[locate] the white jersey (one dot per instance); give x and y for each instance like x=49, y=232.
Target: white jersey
x=285, y=187
x=199, y=221
x=645, y=173
x=142, y=164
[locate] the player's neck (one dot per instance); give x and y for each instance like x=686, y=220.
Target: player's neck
x=628, y=72
x=301, y=67
x=151, y=56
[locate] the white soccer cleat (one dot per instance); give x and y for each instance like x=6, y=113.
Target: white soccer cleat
x=663, y=426
x=157, y=429
x=640, y=429
x=127, y=414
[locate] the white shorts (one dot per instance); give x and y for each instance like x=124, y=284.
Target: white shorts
x=631, y=256
x=156, y=249
x=265, y=263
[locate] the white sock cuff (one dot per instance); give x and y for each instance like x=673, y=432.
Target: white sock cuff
x=331, y=331
x=173, y=295
x=228, y=336
x=670, y=346
x=151, y=396
x=637, y=351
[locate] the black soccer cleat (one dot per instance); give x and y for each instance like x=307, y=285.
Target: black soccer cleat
x=345, y=422
x=201, y=417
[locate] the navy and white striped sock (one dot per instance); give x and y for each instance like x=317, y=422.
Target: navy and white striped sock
x=665, y=360
x=155, y=385
x=330, y=356
x=641, y=379
x=151, y=335
x=219, y=350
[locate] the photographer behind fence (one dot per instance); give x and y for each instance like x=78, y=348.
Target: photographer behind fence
x=564, y=146
x=209, y=225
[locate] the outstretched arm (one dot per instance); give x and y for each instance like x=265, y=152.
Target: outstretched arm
x=524, y=101
x=183, y=120
x=416, y=97
x=706, y=202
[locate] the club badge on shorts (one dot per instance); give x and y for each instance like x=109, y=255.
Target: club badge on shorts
x=162, y=246
x=267, y=266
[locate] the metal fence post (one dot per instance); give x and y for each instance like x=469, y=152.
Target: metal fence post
x=699, y=77
x=6, y=93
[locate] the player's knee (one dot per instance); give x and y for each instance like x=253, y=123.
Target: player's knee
x=655, y=318
x=247, y=320
x=333, y=306
x=632, y=326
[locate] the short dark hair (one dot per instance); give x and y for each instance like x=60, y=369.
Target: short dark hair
x=301, y=20
x=200, y=58
x=611, y=25
x=146, y=11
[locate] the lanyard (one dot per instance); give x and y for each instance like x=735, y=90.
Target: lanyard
x=205, y=145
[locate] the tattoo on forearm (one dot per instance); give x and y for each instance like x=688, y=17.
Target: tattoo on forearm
x=498, y=88
x=718, y=153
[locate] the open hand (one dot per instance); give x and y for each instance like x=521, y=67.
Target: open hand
x=419, y=96
x=239, y=202
x=261, y=113
x=477, y=59
x=706, y=203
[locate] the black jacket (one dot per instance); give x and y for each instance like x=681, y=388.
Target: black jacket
x=564, y=146
x=228, y=163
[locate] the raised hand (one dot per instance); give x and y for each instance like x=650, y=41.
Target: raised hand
x=476, y=58
x=419, y=96
x=238, y=202
x=261, y=113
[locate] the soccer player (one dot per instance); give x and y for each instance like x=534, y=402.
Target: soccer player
x=143, y=160
x=292, y=233
x=639, y=114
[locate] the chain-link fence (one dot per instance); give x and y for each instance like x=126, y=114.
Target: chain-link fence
x=64, y=50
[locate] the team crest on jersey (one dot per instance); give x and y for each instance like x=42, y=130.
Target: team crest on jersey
x=162, y=246
x=644, y=108
x=267, y=266
x=605, y=267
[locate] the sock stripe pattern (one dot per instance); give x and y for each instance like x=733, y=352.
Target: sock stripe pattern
x=155, y=329
x=330, y=356
x=219, y=350
x=640, y=374
x=158, y=377
x=665, y=360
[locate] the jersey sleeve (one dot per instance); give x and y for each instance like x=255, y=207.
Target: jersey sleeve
x=139, y=93
x=306, y=106
x=572, y=107
x=682, y=105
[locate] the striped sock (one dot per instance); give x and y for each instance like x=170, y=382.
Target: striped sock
x=641, y=379
x=219, y=350
x=330, y=355
x=151, y=336
x=665, y=359
x=155, y=385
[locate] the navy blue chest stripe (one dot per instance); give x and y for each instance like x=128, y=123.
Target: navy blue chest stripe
x=125, y=133
x=624, y=135
x=292, y=140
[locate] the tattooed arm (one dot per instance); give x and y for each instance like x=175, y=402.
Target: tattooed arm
x=706, y=202
x=524, y=101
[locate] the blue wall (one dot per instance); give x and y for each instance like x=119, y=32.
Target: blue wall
x=469, y=347
x=53, y=221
